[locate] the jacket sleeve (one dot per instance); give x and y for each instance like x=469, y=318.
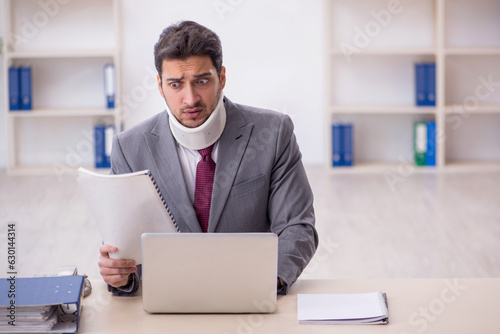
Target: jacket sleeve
x=290, y=208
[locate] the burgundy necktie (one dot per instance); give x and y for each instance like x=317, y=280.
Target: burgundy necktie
x=204, y=184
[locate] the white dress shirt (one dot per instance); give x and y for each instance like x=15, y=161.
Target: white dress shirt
x=189, y=159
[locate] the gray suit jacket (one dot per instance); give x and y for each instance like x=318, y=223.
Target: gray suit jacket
x=260, y=184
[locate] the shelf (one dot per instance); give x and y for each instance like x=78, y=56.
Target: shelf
x=75, y=112
x=473, y=51
x=377, y=109
x=458, y=167
x=67, y=58
x=485, y=109
x=382, y=167
x=387, y=52
x=52, y=170
x=61, y=54
x=371, y=82
x=473, y=167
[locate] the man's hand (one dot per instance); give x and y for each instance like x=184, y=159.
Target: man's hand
x=115, y=272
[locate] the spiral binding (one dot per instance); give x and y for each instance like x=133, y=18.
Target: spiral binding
x=163, y=201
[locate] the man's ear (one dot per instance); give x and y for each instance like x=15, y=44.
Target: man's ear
x=158, y=78
x=222, y=77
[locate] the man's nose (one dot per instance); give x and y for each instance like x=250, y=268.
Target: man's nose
x=191, y=97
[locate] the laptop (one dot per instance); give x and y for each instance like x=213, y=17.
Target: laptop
x=209, y=272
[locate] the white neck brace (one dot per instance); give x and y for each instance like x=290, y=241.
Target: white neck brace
x=202, y=136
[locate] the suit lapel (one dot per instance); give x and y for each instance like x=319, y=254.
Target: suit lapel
x=168, y=174
x=232, y=146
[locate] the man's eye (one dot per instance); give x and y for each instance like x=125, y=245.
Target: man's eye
x=202, y=81
x=175, y=84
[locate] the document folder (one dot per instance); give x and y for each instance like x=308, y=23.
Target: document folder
x=40, y=304
x=14, y=88
x=343, y=309
x=26, y=100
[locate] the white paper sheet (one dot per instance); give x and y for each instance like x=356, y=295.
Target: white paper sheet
x=125, y=206
x=360, y=308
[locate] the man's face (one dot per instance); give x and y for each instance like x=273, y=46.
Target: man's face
x=191, y=88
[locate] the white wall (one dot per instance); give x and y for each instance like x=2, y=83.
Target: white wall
x=3, y=126
x=272, y=53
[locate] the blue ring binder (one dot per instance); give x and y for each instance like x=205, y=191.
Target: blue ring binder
x=32, y=292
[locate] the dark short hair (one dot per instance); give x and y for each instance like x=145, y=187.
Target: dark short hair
x=185, y=39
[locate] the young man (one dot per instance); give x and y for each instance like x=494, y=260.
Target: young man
x=250, y=178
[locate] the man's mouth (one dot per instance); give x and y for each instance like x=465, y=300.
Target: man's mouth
x=192, y=113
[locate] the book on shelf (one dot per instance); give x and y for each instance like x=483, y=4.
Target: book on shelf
x=343, y=309
x=336, y=145
x=14, y=88
x=431, y=84
x=425, y=143
x=342, y=144
x=25, y=73
x=347, y=153
x=425, y=84
x=420, y=94
x=430, y=153
x=20, y=97
x=103, y=140
x=420, y=142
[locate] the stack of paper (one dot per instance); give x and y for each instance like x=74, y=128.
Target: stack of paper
x=30, y=318
x=363, y=308
x=125, y=206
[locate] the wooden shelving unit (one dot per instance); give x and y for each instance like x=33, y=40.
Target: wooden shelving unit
x=67, y=45
x=371, y=50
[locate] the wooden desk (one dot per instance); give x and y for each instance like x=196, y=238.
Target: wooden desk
x=415, y=306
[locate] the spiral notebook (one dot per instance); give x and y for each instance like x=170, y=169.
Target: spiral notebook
x=125, y=206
